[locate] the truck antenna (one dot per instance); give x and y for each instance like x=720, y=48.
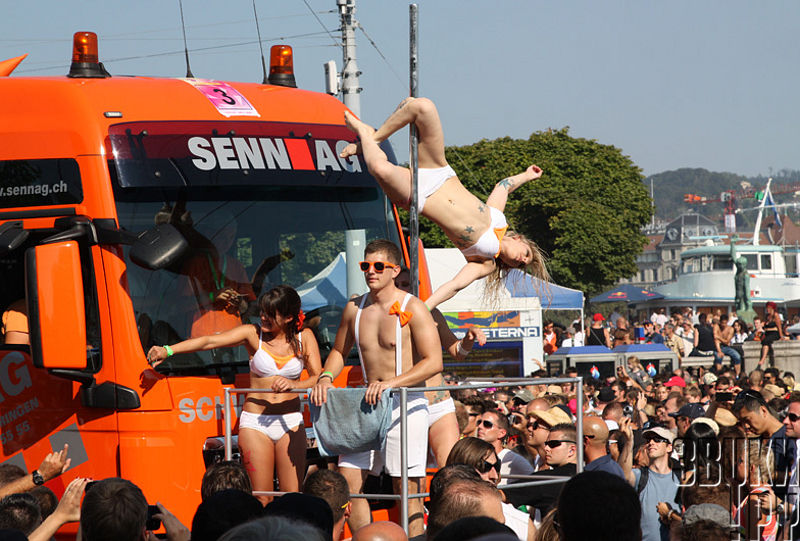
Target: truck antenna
x=185, y=47
x=260, y=45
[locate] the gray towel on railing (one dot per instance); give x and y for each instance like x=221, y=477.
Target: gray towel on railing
x=346, y=424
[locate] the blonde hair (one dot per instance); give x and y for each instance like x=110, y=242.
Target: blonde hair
x=536, y=268
x=634, y=361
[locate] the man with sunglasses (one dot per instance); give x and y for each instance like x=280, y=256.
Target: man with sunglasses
x=758, y=420
x=655, y=484
x=493, y=428
x=561, y=454
x=792, y=424
x=398, y=346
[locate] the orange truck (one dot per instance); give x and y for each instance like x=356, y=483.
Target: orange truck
x=125, y=203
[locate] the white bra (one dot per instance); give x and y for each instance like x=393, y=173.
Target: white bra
x=264, y=364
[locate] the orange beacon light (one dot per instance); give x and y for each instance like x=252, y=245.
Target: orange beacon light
x=281, y=66
x=85, y=61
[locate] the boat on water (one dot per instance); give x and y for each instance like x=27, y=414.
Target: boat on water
x=705, y=277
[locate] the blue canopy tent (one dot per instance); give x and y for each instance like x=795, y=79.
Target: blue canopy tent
x=627, y=293
x=327, y=287
x=552, y=296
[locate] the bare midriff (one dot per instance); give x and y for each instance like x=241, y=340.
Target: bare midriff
x=269, y=403
x=462, y=216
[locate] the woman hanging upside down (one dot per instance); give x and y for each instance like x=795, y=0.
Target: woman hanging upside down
x=478, y=229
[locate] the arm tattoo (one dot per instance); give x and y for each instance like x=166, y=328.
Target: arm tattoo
x=506, y=183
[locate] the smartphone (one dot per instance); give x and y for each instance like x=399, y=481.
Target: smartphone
x=723, y=396
x=152, y=522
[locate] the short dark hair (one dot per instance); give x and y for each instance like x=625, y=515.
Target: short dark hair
x=475, y=401
x=462, y=498
x=20, y=512
x=224, y=475
x=614, y=514
x=223, y=510
x=9, y=473
x=385, y=246
x=568, y=430
x=502, y=420
x=447, y=475
x=472, y=527
x=750, y=400
x=113, y=508
x=705, y=530
x=274, y=527
x=332, y=487
x=47, y=499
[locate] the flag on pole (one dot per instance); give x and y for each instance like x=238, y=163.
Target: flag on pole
x=769, y=202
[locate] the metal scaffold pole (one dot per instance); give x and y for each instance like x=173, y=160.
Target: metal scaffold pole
x=413, y=223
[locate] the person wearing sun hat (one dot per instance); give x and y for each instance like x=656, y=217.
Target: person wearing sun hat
x=598, y=334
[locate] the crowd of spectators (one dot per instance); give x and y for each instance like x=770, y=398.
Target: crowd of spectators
x=690, y=454
x=689, y=334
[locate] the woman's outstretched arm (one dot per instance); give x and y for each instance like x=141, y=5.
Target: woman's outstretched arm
x=472, y=271
x=499, y=195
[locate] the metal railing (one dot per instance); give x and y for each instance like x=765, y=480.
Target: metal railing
x=404, y=496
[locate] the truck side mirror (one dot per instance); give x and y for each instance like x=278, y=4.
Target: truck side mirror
x=160, y=247
x=56, y=316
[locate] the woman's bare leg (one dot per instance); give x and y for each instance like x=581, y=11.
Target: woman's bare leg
x=258, y=454
x=395, y=180
x=423, y=114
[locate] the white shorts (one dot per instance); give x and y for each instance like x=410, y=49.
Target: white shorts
x=439, y=409
x=272, y=426
x=430, y=180
x=417, y=422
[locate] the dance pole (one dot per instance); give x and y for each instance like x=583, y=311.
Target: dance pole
x=413, y=222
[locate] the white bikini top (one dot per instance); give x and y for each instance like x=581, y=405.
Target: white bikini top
x=264, y=364
x=488, y=245
x=398, y=340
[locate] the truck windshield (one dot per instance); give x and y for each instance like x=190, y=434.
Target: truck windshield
x=248, y=230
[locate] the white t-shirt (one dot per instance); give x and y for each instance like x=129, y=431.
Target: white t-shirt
x=516, y=520
x=513, y=464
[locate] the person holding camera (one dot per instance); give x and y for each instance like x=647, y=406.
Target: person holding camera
x=271, y=430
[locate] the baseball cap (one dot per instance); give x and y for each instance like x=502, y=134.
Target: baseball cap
x=774, y=389
x=661, y=432
x=706, y=421
x=554, y=389
x=675, y=381
x=709, y=378
x=524, y=395
x=554, y=416
x=691, y=410
x=598, y=317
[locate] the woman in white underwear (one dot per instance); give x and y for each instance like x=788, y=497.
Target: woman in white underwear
x=478, y=229
x=271, y=432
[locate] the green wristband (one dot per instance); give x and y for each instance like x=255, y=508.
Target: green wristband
x=326, y=373
x=170, y=353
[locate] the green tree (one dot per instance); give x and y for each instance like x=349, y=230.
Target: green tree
x=586, y=212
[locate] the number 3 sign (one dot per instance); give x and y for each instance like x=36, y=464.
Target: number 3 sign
x=228, y=101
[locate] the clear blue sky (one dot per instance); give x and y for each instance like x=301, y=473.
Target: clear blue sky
x=684, y=83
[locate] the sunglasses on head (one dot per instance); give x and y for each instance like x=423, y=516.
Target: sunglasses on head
x=552, y=444
x=379, y=266
x=486, y=466
x=486, y=423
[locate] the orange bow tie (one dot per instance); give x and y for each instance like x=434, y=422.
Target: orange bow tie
x=403, y=315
